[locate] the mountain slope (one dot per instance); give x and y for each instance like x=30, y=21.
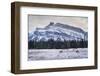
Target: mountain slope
x=58, y=32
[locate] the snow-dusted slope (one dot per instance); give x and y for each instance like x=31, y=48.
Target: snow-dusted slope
x=59, y=32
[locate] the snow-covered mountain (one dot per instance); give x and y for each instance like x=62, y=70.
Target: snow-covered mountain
x=58, y=31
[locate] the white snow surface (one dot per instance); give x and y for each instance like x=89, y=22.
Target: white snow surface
x=54, y=54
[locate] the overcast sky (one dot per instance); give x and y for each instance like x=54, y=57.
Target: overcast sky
x=41, y=21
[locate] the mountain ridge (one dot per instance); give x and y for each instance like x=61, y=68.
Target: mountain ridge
x=58, y=31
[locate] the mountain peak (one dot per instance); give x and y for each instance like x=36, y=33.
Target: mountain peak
x=51, y=23
x=59, y=30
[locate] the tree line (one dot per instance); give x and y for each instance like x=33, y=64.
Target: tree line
x=51, y=44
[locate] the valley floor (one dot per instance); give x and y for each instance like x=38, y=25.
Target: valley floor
x=54, y=54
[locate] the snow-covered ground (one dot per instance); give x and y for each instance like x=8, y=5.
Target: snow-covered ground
x=54, y=54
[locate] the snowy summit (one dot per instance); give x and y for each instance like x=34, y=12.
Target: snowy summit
x=58, y=31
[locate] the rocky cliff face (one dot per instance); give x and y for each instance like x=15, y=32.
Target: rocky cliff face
x=58, y=31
